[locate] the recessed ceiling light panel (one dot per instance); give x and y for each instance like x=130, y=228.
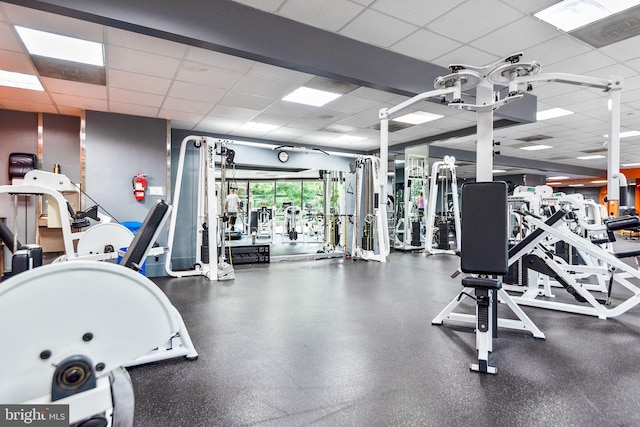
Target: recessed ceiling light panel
x=418, y=117
x=569, y=15
x=536, y=147
x=57, y=46
x=20, y=80
x=592, y=157
x=308, y=96
x=552, y=113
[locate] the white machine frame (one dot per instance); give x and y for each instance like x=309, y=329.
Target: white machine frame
x=447, y=164
x=207, y=213
x=88, y=244
x=381, y=237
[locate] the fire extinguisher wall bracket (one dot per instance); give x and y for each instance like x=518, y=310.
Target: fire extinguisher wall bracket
x=139, y=183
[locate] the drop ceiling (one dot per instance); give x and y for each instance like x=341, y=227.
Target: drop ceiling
x=207, y=91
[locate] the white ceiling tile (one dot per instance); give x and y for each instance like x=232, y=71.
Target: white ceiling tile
x=372, y=94
x=235, y=113
x=53, y=23
x=417, y=12
x=580, y=64
x=218, y=125
x=271, y=119
x=24, y=95
x=130, y=40
x=219, y=60
x=326, y=14
x=289, y=109
x=281, y=74
x=135, y=61
x=364, y=2
x=327, y=115
x=554, y=50
x=266, y=5
x=182, y=116
x=351, y=104
x=14, y=104
x=516, y=36
x=530, y=6
x=16, y=61
x=130, y=97
x=81, y=102
x=137, y=82
x=196, y=92
x=425, y=45
x=133, y=109
x=193, y=72
x=74, y=88
x=474, y=19
x=466, y=55
x=623, y=50
x=187, y=106
x=178, y=124
x=378, y=29
x=613, y=70
x=308, y=124
x=286, y=133
x=267, y=88
x=243, y=100
x=633, y=63
x=9, y=39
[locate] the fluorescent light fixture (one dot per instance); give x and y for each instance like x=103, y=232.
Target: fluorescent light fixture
x=57, y=46
x=498, y=171
x=552, y=113
x=554, y=183
x=568, y=15
x=555, y=178
x=418, y=118
x=19, y=80
x=627, y=134
x=258, y=127
x=536, y=147
x=349, y=138
x=629, y=165
x=576, y=185
x=308, y=96
x=591, y=157
x=599, y=181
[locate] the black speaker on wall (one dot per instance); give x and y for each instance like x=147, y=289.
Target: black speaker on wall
x=20, y=164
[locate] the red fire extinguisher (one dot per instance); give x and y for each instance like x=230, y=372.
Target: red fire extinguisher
x=139, y=183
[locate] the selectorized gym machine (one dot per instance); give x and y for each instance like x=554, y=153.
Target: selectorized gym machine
x=208, y=262
x=116, y=317
x=80, y=239
x=444, y=183
x=513, y=74
x=370, y=229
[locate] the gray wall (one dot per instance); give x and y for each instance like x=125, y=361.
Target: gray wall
x=18, y=134
x=117, y=148
x=61, y=145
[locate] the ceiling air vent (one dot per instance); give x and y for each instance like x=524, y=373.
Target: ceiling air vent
x=533, y=138
x=595, y=150
x=393, y=126
x=67, y=70
x=610, y=30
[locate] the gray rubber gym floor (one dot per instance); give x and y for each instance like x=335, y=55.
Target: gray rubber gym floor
x=350, y=343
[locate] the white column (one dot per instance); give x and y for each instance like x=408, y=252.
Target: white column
x=484, y=147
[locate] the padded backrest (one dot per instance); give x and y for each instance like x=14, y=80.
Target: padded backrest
x=146, y=235
x=484, y=239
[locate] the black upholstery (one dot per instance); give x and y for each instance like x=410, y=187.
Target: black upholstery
x=484, y=239
x=146, y=235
